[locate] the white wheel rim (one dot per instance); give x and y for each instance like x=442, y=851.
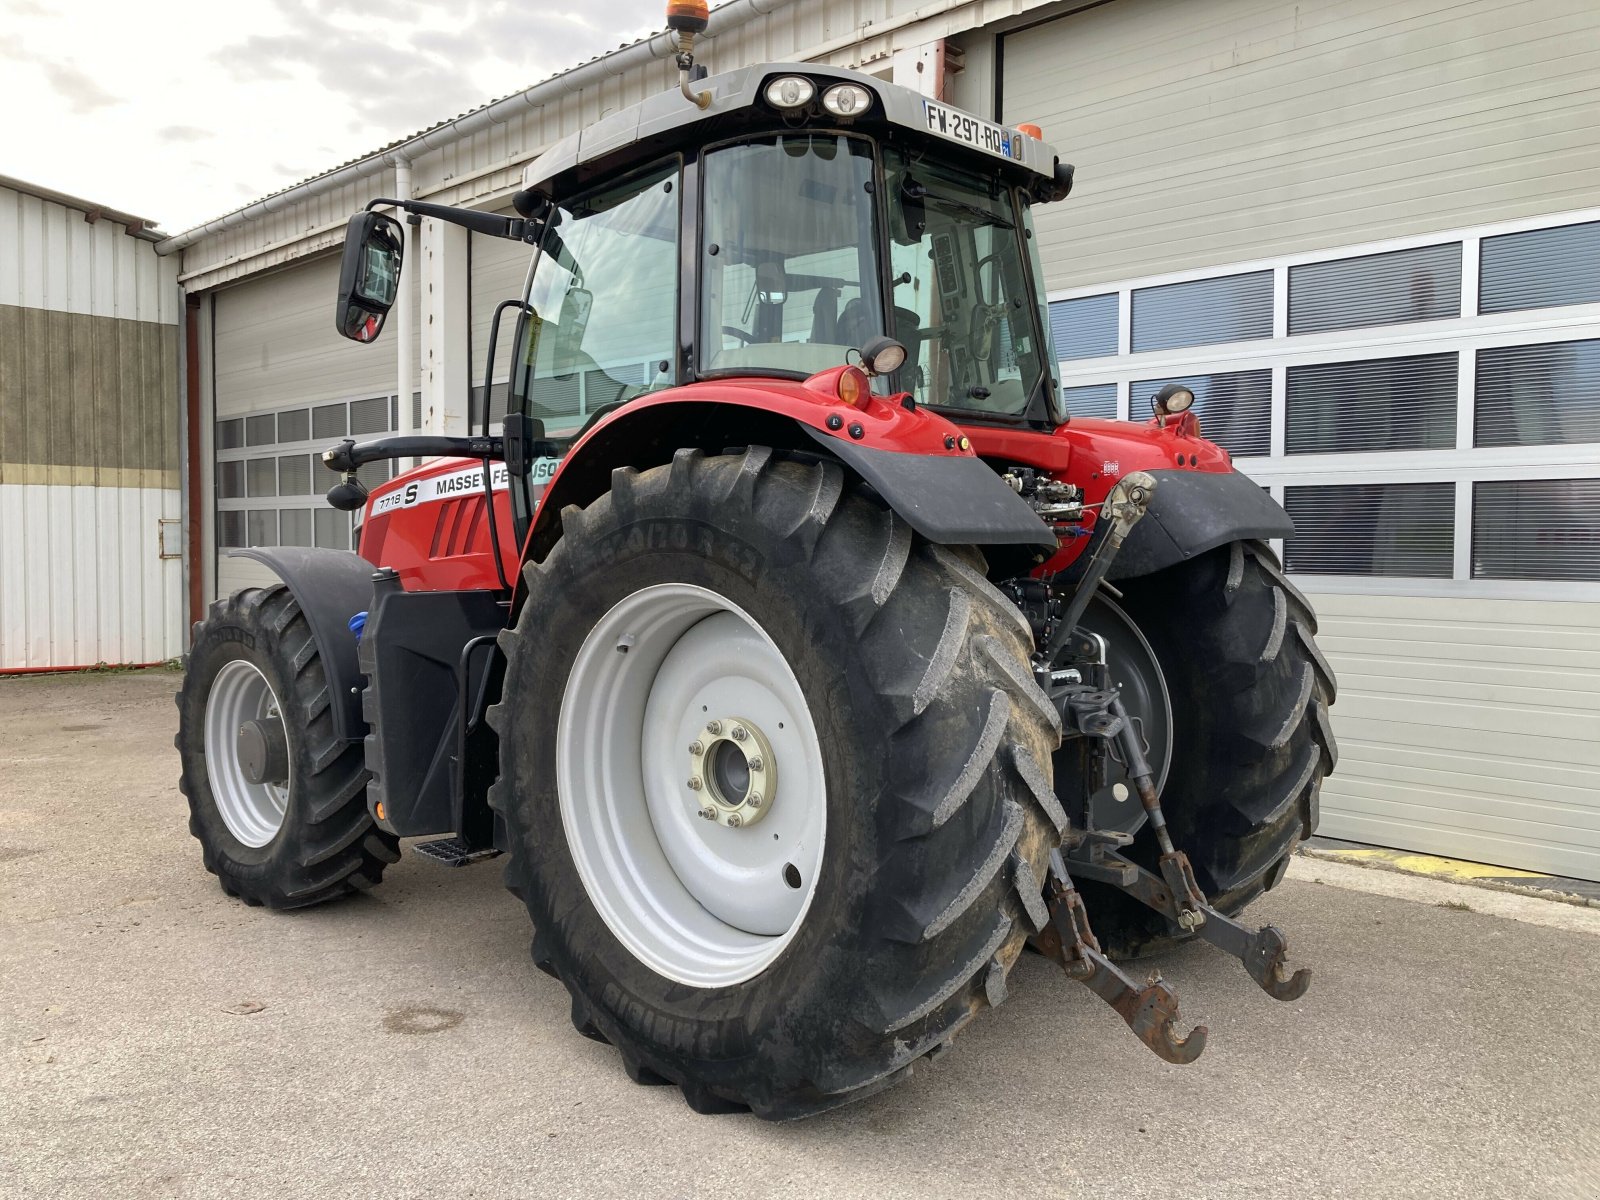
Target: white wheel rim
x=253, y=812
x=693, y=899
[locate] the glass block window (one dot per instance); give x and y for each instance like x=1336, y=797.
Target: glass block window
x=294, y=476
x=1091, y=400
x=1536, y=529
x=1234, y=407
x=332, y=528
x=1377, y=404
x=369, y=416
x=1540, y=268
x=1235, y=308
x=329, y=421
x=261, y=429
x=1423, y=284
x=230, y=480
x=230, y=434
x=1085, y=327
x=1404, y=529
x=1538, y=395
x=261, y=477
x=294, y=527
x=295, y=425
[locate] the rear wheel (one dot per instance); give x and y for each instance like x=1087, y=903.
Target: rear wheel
x=775, y=777
x=1234, y=672
x=277, y=801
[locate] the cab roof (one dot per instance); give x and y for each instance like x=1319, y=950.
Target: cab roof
x=667, y=121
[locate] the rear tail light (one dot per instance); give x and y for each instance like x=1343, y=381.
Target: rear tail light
x=853, y=387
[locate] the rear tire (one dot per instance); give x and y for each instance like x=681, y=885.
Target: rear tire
x=321, y=843
x=1251, y=739
x=934, y=746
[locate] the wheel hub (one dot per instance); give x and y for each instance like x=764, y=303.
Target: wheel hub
x=263, y=750
x=732, y=767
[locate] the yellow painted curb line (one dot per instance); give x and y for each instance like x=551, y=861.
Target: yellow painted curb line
x=1428, y=864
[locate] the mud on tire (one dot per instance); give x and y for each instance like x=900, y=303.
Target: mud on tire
x=328, y=845
x=1252, y=741
x=936, y=750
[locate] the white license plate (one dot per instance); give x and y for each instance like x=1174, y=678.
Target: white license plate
x=973, y=131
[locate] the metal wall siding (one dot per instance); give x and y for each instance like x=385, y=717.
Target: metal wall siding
x=1405, y=403
x=1540, y=267
x=1541, y=395
x=1422, y=284
x=1467, y=727
x=52, y=258
x=80, y=580
x=1536, y=529
x=1236, y=129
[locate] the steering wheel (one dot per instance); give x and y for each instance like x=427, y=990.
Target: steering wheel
x=745, y=338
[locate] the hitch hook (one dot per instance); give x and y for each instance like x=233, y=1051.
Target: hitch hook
x=1149, y=1011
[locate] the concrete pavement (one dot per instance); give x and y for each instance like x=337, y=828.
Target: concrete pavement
x=405, y=1046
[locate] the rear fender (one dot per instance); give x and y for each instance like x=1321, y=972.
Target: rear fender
x=943, y=491
x=330, y=586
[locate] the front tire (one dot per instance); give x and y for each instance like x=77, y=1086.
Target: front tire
x=925, y=750
x=302, y=834
x=1250, y=735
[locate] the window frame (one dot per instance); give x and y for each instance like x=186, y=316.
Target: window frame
x=1462, y=464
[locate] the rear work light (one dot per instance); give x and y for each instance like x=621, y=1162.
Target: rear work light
x=847, y=99
x=789, y=92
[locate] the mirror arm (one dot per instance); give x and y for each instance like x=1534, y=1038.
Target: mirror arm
x=350, y=454
x=517, y=229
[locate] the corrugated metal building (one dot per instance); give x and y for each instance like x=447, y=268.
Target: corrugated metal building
x=1363, y=231
x=90, y=533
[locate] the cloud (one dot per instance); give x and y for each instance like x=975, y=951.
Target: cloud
x=183, y=133
x=79, y=90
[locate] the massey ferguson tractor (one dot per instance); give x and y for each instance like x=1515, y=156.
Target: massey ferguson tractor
x=821, y=663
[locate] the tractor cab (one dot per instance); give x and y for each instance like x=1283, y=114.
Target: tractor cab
x=800, y=216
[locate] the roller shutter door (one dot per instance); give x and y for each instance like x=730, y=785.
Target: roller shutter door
x=1226, y=130
x=287, y=387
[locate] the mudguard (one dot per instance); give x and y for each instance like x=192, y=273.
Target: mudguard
x=331, y=586
x=949, y=501
x=1196, y=511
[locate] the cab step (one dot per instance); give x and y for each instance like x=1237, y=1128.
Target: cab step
x=453, y=852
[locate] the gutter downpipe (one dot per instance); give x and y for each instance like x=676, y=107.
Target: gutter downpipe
x=405, y=310
x=662, y=45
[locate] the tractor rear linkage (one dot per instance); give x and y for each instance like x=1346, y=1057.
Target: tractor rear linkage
x=1093, y=711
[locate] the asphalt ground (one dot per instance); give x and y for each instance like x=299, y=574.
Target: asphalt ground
x=159, y=1039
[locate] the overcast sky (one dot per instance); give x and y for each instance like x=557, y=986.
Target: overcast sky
x=182, y=110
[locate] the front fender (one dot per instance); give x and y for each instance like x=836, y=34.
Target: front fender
x=1195, y=511
x=330, y=586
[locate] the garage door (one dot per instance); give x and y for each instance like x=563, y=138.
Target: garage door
x=1236, y=129
x=287, y=387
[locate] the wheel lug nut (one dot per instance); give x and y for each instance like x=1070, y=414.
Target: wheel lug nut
x=709, y=813
x=713, y=727
x=696, y=748
x=735, y=820
x=694, y=783
x=756, y=764
x=740, y=733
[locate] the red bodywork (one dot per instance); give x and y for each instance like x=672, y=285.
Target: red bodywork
x=430, y=524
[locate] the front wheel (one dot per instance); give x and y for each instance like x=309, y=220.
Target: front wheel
x=1218, y=666
x=775, y=776
x=276, y=799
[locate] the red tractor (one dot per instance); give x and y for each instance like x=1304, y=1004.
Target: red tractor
x=826, y=663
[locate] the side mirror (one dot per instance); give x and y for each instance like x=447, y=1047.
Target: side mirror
x=369, y=276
